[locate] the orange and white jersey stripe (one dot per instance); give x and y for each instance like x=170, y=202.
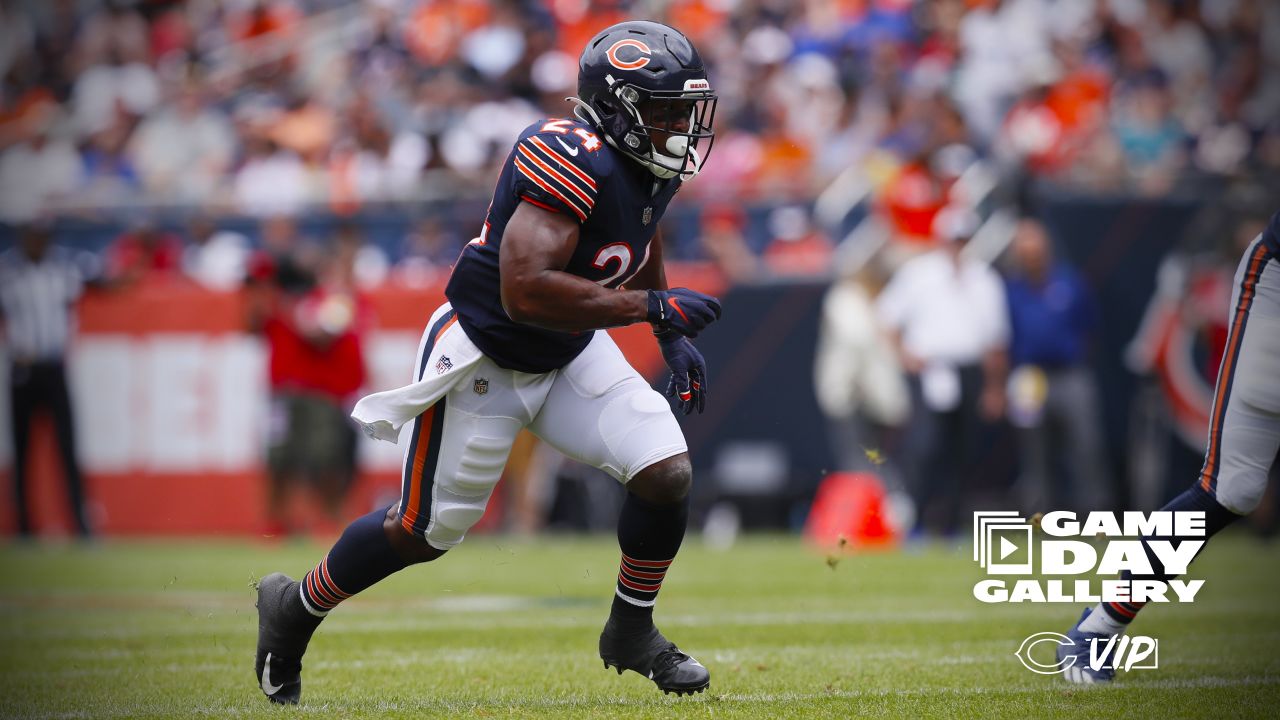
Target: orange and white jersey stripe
x=552, y=172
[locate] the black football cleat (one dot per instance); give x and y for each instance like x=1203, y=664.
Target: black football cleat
x=282, y=639
x=655, y=657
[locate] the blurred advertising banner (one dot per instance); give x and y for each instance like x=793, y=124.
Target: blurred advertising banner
x=171, y=404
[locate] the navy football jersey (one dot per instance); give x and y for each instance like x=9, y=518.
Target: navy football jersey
x=1271, y=236
x=565, y=167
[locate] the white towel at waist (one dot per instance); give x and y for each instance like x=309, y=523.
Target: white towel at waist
x=382, y=414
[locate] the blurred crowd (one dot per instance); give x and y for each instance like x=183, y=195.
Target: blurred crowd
x=274, y=107
x=220, y=139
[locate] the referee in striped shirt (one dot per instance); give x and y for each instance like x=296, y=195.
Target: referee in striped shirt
x=39, y=285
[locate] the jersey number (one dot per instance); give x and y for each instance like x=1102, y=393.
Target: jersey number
x=613, y=251
x=589, y=139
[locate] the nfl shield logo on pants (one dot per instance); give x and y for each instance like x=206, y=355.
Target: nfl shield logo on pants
x=481, y=386
x=443, y=365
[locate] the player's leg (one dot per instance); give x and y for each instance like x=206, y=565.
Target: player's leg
x=601, y=412
x=1244, y=436
x=1089, y=488
x=284, y=459
x=453, y=458
x=331, y=447
x=22, y=409
x=651, y=527
x=65, y=433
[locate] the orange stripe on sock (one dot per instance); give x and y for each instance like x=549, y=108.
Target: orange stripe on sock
x=319, y=593
x=328, y=579
x=639, y=587
x=642, y=575
x=1122, y=610
x=645, y=563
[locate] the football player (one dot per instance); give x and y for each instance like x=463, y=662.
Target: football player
x=569, y=246
x=1244, y=436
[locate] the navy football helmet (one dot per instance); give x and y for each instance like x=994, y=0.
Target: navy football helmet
x=644, y=87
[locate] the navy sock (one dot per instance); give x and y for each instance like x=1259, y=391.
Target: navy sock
x=649, y=536
x=1216, y=517
x=360, y=558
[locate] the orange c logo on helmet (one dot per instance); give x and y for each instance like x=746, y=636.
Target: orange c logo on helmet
x=641, y=60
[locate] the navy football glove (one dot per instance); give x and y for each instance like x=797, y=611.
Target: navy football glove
x=688, y=370
x=682, y=310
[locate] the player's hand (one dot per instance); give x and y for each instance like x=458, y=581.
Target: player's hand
x=688, y=371
x=682, y=310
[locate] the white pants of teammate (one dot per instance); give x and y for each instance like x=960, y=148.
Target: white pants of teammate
x=1244, y=427
x=466, y=412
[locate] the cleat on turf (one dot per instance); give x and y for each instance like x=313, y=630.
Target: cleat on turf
x=282, y=640
x=655, y=657
x=1078, y=671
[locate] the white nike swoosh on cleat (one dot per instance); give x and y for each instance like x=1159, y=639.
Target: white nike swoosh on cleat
x=571, y=150
x=267, y=687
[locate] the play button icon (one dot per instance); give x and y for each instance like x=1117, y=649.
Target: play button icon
x=1003, y=542
x=1007, y=548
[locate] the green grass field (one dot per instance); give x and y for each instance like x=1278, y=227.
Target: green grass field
x=506, y=628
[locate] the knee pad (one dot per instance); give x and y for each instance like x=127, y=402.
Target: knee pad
x=639, y=430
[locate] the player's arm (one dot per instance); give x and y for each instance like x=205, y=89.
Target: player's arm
x=653, y=274
x=536, y=247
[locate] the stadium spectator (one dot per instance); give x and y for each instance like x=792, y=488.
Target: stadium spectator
x=912, y=200
x=144, y=251
x=111, y=28
x=808, y=91
x=307, y=128
x=109, y=175
x=946, y=314
x=1150, y=137
x=797, y=247
x=858, y=379
x=724, y=244
x=339, y=107
x=998, y=40
x=428, y=252
x=217, y=259
x=115, y=85
x=1178, y=47
x=1053, y=397
x=183, y=151
x=355, y=264
x=305, y=304
x=39, y=287
x=17, y=37
x=41, y=169
x=272, y=181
